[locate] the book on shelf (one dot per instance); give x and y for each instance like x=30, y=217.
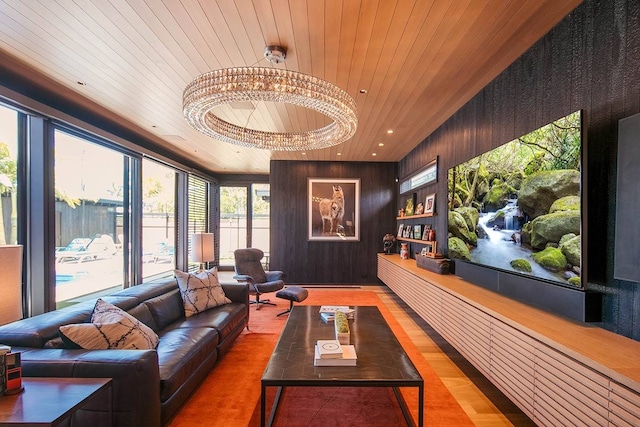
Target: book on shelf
x=349, y=357
x=328, y=349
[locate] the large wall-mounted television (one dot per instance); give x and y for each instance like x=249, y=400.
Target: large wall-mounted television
x=518, y=207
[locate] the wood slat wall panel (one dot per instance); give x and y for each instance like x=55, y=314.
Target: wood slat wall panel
x=576, y=387
x=624, y=404
x=576, y=401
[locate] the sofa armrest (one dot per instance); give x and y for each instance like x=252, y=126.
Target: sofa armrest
x=236, y=292
x=134, y=373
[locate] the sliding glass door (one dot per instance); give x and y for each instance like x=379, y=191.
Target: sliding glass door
x=238, y=228
x=88, y=218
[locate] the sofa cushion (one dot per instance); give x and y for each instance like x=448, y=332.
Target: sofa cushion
x=200, y=291
x=180, y=353
x=223, y=319
x=143, y=314
x=166, y=309
x=110, y=328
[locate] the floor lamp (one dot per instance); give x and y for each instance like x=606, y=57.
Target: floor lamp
x=10, y=283
x=202, y=246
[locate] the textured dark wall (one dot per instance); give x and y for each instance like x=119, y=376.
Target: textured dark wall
x=589, y=61
x=323, y=262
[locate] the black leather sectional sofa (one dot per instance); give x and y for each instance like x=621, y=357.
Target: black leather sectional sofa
x=148, y=385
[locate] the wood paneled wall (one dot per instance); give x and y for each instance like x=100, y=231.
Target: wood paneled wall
x=589, y=61
x=322, y=262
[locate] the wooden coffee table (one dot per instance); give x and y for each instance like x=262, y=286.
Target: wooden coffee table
x=382, y=362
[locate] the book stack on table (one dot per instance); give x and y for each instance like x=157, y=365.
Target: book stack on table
x=327, y=312
x=332, y=353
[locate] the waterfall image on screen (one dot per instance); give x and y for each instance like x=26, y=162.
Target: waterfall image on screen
x=518, y=207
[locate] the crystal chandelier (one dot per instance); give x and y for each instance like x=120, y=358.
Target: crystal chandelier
x=238, y=84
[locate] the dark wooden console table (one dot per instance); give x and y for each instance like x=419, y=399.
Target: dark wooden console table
x=52, y=401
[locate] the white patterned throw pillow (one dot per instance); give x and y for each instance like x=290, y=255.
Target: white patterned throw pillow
x=110, y=328
x=200, y=291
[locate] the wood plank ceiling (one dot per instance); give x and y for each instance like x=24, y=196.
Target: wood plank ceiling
x=417, y=62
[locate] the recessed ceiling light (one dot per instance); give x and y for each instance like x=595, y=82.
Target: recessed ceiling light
x=374, y=154
x=339, y=154
x=390, y=131
x=81, y=83
x=381, y=144
x=304, y=154
x=363, y=91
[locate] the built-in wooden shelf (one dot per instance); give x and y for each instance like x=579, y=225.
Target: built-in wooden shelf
x=558, y=371
x=427, y=215
x=424, y=242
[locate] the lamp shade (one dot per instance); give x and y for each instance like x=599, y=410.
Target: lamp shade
x=202, y=247
x=10, y=283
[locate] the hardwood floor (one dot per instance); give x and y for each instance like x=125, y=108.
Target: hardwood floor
x=479, y=398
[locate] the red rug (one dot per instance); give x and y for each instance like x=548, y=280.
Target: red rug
x=230, y=395
x=336, y=406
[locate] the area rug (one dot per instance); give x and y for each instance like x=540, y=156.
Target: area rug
x=230, y=395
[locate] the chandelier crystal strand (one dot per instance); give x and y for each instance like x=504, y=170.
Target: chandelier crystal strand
x=238, y=84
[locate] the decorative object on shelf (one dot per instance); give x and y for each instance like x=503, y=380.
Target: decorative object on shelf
x=417, y=231
x=388, y=241
x=419, y=209
x=400, y=212
x=425, y=232
x=430, y=204
x=253, y=84
x=334, y=209
x=407, y=232
x=431, y=236
x=404, y=251
x=437, y=265
x=400, y=230
x=409, y=204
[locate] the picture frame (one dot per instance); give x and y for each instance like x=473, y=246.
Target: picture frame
x=400, y=229
x=333, y=209
x=417, y=231
x=425, y=231
x=410, y=204
x=430, y=204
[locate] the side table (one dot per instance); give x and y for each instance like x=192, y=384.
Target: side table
x=56, y=401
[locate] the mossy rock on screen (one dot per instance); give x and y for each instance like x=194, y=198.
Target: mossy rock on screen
x=470, y=215
x=458, y=227
x=570, y=247
x=521, y=264
x=541, y=189
x=567, y=203
x=551, y=259
x=458, y=249
x=551, y=227
x=497, y=197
